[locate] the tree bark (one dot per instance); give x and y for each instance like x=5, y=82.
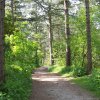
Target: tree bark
x=2, y=14
x=89, y=47
x=12, y=11
x=67, y=33
x=50, y=36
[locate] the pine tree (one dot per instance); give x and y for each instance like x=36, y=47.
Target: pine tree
x=67, y=32
x=88, y=29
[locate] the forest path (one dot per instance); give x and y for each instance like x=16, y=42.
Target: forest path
x=47, y=86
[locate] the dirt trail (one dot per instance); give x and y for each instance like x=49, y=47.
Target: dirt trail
x=48, y=86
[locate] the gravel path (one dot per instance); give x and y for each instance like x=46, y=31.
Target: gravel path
x=48, y=86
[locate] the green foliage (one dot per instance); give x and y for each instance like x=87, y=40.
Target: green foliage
x=9, y=28
x=58, y=52
x=95, y=79
x=22, y=48
x=58, y=69
x=74, y=71
x=22, y=55
x=62, y=70
x=79, y=71
x=18, y=83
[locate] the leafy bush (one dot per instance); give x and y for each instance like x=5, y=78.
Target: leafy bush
x=65, y=70
x=79, y=71
x=20, y=57
x=18, y=82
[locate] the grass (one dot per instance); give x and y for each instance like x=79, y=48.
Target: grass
x=87, y=82
x=61, y=70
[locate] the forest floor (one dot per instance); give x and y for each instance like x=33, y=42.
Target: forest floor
x=51, y=86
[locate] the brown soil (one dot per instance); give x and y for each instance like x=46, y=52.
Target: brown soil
x=47, y=86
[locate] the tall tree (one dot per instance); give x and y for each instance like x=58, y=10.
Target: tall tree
x=88, y=29
x=67, y=32
x=50, y=35
x=2, y=13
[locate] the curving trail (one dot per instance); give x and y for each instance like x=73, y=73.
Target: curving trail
x=47, y=86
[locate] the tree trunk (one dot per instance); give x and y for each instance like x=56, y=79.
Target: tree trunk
x=67, y=33
x=89, y=47
x=12, y=11
x=50, y=36
x=2, y=13
x=83, y=55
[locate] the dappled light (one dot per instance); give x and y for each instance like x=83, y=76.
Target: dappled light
x=47, y=77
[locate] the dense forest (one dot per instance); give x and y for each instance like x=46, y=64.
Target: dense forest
x=62, y=34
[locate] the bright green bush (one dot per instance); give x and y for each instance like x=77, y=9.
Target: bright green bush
x=18, y=82
x=21, y=57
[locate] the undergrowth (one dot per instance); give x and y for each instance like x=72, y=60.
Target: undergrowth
x=18, y=82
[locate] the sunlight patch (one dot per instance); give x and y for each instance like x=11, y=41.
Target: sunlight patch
x=52, y=79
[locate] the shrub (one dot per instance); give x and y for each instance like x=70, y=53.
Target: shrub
x=18, y=83
x=79, y=71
